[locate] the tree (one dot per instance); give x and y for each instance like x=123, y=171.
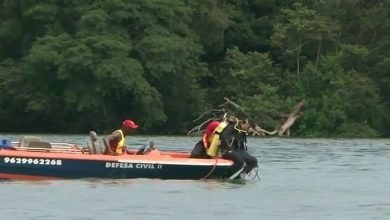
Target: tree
x=253, y=81
x=342, y=102
x=170, y=53
x=298, y=28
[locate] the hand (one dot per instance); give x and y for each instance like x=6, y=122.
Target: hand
x=110, y=151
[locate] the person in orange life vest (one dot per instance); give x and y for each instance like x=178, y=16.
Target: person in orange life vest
x=200, y=149
x=115, y=142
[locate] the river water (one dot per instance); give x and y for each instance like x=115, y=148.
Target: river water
x=300, y=179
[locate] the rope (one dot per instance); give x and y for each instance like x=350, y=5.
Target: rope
x=254, y=176
x=211, y=171
x=236, y=125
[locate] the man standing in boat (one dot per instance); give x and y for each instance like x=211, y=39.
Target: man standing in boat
x=115, y=142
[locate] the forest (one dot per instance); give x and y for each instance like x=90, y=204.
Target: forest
x=70, y=66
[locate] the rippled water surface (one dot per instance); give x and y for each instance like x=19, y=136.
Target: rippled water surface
x=300, y=179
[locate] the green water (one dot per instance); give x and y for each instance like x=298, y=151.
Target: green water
x=300, y=179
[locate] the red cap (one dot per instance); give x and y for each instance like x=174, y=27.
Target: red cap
x=129, y=124
x=211, y=127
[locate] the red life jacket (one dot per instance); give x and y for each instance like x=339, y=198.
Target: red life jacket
x=208, y=133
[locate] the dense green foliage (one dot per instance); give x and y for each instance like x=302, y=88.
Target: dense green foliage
x=73, y=66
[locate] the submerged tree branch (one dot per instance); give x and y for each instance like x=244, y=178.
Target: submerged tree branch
x=281, y=130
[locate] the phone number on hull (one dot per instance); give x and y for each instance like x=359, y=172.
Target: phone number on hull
x=34, y=161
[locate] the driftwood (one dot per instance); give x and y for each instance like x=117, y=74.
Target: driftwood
x=282, y=130
x=294, y=115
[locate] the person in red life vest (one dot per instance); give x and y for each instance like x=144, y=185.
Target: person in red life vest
x=200, y=149
x=115, y=142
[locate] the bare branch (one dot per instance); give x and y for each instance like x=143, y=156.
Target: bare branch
x=199, y=129
x=228, y=101
x=207, y=112
x=256, y=128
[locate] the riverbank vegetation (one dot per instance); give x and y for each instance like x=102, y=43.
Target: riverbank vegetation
x=75, y=66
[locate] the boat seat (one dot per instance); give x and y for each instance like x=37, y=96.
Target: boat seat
x=33, y=141
x=99, y=148
x=94, y=146
x=91, y=149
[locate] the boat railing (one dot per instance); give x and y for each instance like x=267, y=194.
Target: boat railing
x=54, y=147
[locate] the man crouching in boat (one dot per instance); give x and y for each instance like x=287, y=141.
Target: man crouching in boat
x=115, y=142
x=230, y=139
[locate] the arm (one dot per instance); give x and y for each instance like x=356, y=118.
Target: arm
x=245, y=146
x=226, y=136
x=240, y=142
x=116, y=136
